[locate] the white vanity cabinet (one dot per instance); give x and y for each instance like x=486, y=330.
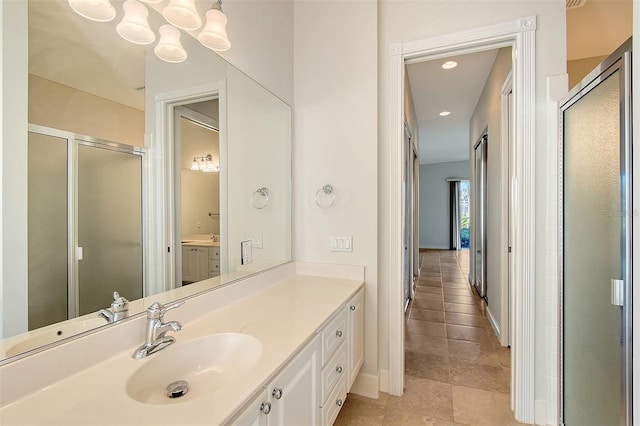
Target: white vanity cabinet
x=355, y=313
x=195, y=263
x=291, y=398
x=200, y=263
x=312, y=388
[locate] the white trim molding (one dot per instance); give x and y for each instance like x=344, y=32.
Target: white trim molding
x=162, y=180
x=520, y=35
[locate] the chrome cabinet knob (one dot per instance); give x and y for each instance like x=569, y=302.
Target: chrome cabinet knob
x=352, y=307
x=339, y=370
x=339, y=402
x=277, y=393
x=265, y=408
x=339, y=333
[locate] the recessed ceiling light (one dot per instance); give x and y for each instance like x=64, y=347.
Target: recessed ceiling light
x=444, y=113
x=449, y=65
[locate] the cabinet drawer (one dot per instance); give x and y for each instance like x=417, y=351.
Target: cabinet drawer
x=334, y=402
x=335, y=369
x=214, y=252
x=333, y=335
x=214, y=267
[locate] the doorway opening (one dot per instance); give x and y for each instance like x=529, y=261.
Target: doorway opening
x=517, y=35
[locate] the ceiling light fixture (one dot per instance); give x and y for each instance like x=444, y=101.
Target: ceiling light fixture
x=449, y=65
x=214, y=34
x=94, y=10
x=134, y=26
x=444, y=113
x=182, y=14
x=169, y=48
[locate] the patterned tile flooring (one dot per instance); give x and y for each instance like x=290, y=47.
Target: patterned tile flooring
x=456, y=372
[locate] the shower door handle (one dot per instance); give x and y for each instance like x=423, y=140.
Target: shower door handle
x=617, y=292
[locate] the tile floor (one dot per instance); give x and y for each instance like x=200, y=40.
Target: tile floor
x=456, y=373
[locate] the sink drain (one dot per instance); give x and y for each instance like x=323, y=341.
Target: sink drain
x=177, y=389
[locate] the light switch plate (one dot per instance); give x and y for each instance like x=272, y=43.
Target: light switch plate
x=342, y=244
x=245, y=256
x=256, y=240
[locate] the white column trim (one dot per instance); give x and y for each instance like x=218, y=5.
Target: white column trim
x=520, y=34
x=396, y=219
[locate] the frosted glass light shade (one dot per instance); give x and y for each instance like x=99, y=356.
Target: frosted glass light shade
x=134, y=26
x=169, y=48
x=182, y=14
x=214, y=34
x=94, y=10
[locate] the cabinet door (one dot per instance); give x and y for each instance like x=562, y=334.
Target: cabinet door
x=355, y=309
x=202, y=263
x=254, y=412
x=294, y=393
x=188, y=264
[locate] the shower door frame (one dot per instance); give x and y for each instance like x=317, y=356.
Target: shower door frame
x=73, y=141
x=620, y=61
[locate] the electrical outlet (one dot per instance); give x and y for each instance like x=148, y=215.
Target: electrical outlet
x=342, y=244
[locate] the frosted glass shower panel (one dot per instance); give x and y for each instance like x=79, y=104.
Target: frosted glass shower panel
x=109, y=226
x=592, y=256
x=48, y=230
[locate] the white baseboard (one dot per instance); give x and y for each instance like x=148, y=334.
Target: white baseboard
x=384, y=381
x=366, y=385
x=546, y=413
x=494, y=324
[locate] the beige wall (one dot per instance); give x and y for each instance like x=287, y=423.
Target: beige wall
x=579, y=68
x=62, y=107
x=488, y=114
x=200, y=195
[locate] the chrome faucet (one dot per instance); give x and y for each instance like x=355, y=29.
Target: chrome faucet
x=119, y=309
x=156, y=330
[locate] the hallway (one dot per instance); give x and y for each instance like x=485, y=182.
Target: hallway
x=456, y=373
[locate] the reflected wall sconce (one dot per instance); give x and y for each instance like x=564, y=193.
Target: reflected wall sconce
x=204, y=164
x=180, y=14
x=325, y=197
x=260, y=198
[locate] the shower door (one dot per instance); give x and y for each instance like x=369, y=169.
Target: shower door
x=85, y=201
x=480, y=220
x=595, y=245
x=109, y=225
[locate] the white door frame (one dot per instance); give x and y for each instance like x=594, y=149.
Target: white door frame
x=507, y=209
x=520, y=35
x=162, y=178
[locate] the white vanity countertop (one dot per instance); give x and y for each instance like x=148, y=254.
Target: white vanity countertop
x=283, y=316
x=202, y=244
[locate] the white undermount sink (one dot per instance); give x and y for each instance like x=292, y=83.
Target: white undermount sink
x=207, y=364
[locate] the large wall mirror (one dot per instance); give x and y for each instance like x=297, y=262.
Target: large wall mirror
x=144, y=177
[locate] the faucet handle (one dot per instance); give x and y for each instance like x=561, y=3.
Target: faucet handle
x=157, y=310
x=119, y=304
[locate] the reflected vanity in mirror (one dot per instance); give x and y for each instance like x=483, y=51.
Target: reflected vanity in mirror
x=141, y=175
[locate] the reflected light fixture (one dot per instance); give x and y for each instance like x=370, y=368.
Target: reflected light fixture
x=214, y=34
x=204, y=164
x=169, y=48
x=134, y=26
x=182, y=14
x=449, y=65
x=444, y=113
x=94, y=10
